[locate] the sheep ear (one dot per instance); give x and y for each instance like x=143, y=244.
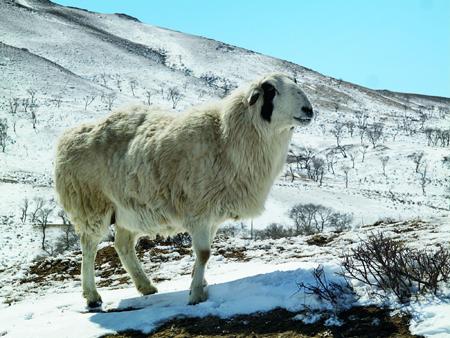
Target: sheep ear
x=254, y=96
x=269, y=94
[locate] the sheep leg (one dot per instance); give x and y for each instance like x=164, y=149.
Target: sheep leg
x=202, y=248
x=89, y=251
x=125, y=242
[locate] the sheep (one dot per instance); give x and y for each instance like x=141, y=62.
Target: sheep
x=148, y=172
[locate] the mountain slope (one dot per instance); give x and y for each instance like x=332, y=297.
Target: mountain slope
x=69, y=57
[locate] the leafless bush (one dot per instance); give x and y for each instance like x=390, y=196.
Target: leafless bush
x=374, y=133
x=57, y=100
x=363, y=151
x=118, y=81
x=317, y=169
x=42, y=221
x=389, y=266
x=229, y=230
x=13, y=105
x=33, y=115
x=361, y=124
x=384, y=160
x=340, y=222
x=38, y=205
x=210, y=78
x=88, y=99
x=69, y=239
x=33, y=100
x=4, y=137
x=331, y=160
x=346, y=171
x=174, y=95
x=133, y=84
x=148, y=97
x=350, y=125
x=423, y=117
x=24, y=211
x=312, y=218
x=352, y=156
x=437, y=136
x=109, y=99
x=274, y=231
x=417, y=158
x=338, y=132
x=339, y=295
x=423, y=176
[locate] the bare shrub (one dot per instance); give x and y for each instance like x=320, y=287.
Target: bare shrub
x=350, y=125
x=340, y=222
x=148, y=97
x=109, y=99
x=339, y=295
x=374, y=133
x=42, y=221
x=24, y=211
x=229, y=230
x=69, y=239
x=387, y=265
x=312, y=218
x=437, y=136
x=88, y=99
x=331, y=160
x=4, y=137
x=363, y=151
x=13, y=104
x=361, y=124
x=317, y=169
x=423, y=176
x=174, y=95
x=38, y=205
x=417, y=158
x=274, y=231
x=384, y=160
x=133, y=84
x=338, y=132
x=210, y=78
x=346, y=171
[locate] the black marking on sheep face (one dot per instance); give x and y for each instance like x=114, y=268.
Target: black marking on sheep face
x=308, y=111
x=253, y=99
x=267, y=107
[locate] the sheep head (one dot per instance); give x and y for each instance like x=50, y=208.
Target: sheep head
x=277, y=102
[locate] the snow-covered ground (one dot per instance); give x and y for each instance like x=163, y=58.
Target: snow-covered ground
x=62, y=58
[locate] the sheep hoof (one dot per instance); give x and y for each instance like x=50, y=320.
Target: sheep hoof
x=95, y=304
x=93, y=299
x=147, y=289
x=198, y=295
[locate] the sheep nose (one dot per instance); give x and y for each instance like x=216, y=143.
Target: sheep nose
x=308, y=111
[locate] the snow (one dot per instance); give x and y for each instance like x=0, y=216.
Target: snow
x=431, y=317
x=240, y=288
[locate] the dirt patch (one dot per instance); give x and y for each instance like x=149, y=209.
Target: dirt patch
x=107, y=264
x=60, y=269
x=320, y=240
x=358, y=322
x=237, y=254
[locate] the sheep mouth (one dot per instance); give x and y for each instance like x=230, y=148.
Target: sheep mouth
x=303, y=120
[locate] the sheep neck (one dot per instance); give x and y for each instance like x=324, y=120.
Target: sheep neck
x=252, y=158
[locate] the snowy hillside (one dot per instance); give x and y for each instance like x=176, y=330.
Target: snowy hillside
x=369, y=154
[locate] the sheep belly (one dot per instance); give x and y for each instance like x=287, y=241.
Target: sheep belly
x=147, y=221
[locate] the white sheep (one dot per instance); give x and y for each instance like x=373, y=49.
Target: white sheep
x=152, y=172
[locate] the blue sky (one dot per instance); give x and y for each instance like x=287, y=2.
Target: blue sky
x=401, y=45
